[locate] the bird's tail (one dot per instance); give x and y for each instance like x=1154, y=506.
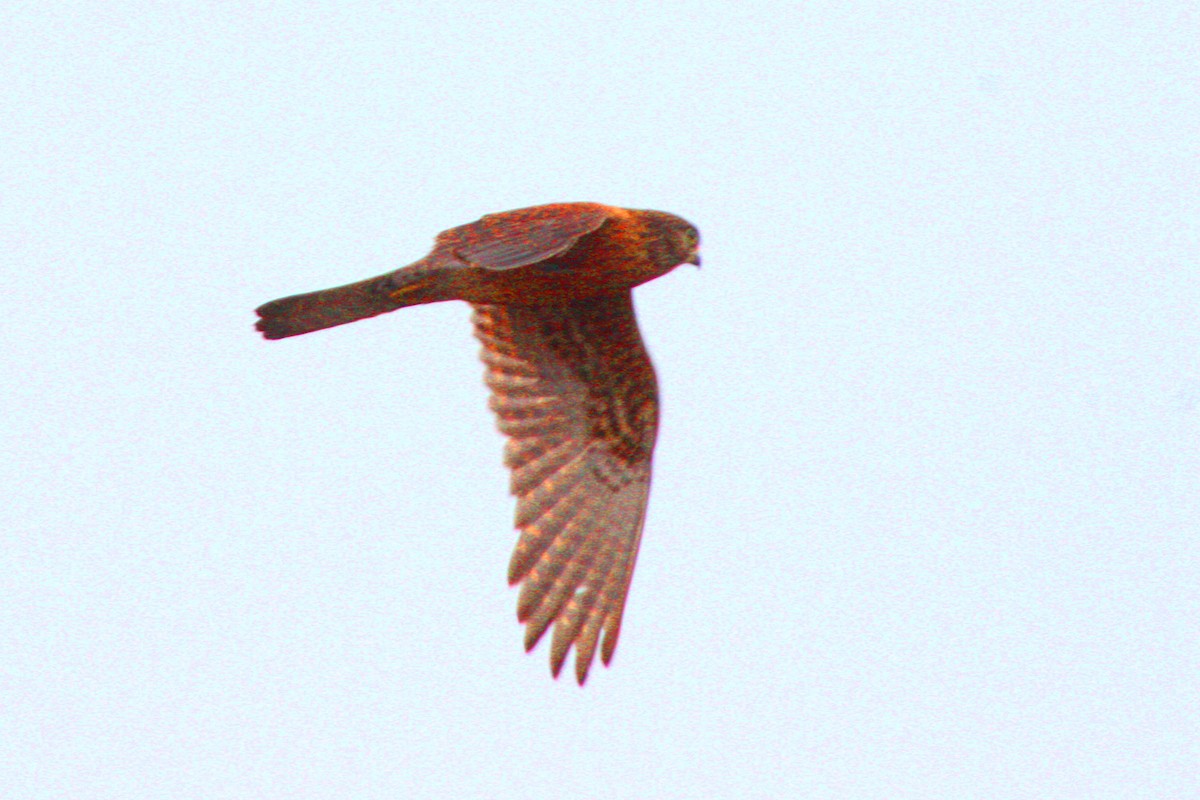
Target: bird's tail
x=304, y=313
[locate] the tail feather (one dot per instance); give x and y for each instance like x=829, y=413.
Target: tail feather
x=303, y=313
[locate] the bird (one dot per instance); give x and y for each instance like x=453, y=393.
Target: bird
x=571, y=385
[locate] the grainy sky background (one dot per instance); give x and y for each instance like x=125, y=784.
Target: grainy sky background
x=927, y=488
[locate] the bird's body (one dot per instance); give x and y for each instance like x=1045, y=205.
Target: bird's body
x=572, y=388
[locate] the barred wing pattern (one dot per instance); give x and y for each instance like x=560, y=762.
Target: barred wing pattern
x=575, y=393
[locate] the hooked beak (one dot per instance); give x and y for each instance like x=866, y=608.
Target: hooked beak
x=694, y=258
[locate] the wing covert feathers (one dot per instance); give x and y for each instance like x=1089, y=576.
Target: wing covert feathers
x=526, y=236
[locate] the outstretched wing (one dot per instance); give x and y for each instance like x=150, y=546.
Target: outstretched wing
x=522, y=237
x=574, y=391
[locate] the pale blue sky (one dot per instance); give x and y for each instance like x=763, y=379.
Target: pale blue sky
x=927, y=489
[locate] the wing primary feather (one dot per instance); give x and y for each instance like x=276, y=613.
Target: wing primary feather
x=524, y=405
x=585, y=645
x=616, y=585
x=556, y=605
x=518, y=452
x=525, y=428
x=538, y=501
x=505, y=363
x=535, y=471
x=512, y=384
x=540, y=598
x=614, y=606
x=579, y=608
x=538, y=536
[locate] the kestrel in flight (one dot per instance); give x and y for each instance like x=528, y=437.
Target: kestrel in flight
x=572, y=388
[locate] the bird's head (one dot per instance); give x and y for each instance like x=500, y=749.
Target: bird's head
x=678, y=239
